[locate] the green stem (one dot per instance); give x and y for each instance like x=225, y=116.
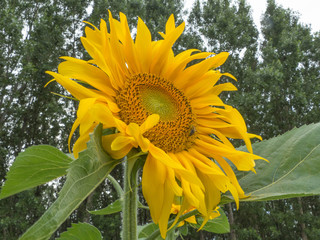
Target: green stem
x=116, y=185
x=129, y=210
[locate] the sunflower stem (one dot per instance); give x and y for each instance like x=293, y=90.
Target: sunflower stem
x=130, y=204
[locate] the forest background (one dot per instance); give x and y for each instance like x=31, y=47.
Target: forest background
x=278, y=89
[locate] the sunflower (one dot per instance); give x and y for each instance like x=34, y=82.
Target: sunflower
x=164, y=106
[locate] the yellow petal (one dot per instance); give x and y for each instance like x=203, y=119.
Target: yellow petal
x=192, y=199
x=143, y=45
x=121, y=142
x=134, y=131
x=81, y=70
x=83, y=108
x=165, y=47
x=192, y=219
x=181, y=61
x=203, y=84
x=129, y=48
x=153, y=178
x=150, y=122
x=106, y=143
x=173, y=183
x=170, y=25
x=185, y=205
x=165, y=211
x=160, y=155
x=207, y=100
x=212, y=196
x=192, y=189
x=201, y=68
x=81, y=143
x=223, y=87
x=215, y=213
x=74, y=88
x=185, y=173
x=203, y=167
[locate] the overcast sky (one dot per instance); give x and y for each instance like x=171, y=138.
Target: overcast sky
x=309, y=10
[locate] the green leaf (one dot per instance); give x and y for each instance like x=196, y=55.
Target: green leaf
x=33, y=167
x=114, y=207
x=146, y=230
x=294, y=166
x=81, y=231
x=217, y=225
x=184, y=229
x=84, y=175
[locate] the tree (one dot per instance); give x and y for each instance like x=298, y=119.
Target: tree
x=287, y=72
x=285, y=96
x=228, y=26
x=222, y=25
x=33, y=36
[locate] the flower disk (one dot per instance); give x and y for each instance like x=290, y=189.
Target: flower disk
x=165, y=106
x=146, y=94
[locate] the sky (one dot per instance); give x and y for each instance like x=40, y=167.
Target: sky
x=308, y=9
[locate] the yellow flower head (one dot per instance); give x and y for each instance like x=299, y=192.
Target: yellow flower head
x=168, y=110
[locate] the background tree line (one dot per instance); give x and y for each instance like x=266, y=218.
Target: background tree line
x=278, y=82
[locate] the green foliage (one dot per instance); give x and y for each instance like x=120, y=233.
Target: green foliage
x=278, y=90
x=110, y=209
x=36, y=166
x=84, y=175
x=33, y=35
x=81, y=231
x=14, y=209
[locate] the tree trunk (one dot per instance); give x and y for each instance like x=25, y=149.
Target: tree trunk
x=86, y=217
x=302, y=224
x=202, y=235
x=231, y=221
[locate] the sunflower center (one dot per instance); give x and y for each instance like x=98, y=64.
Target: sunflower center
x=146, y=94
x=158, y=100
